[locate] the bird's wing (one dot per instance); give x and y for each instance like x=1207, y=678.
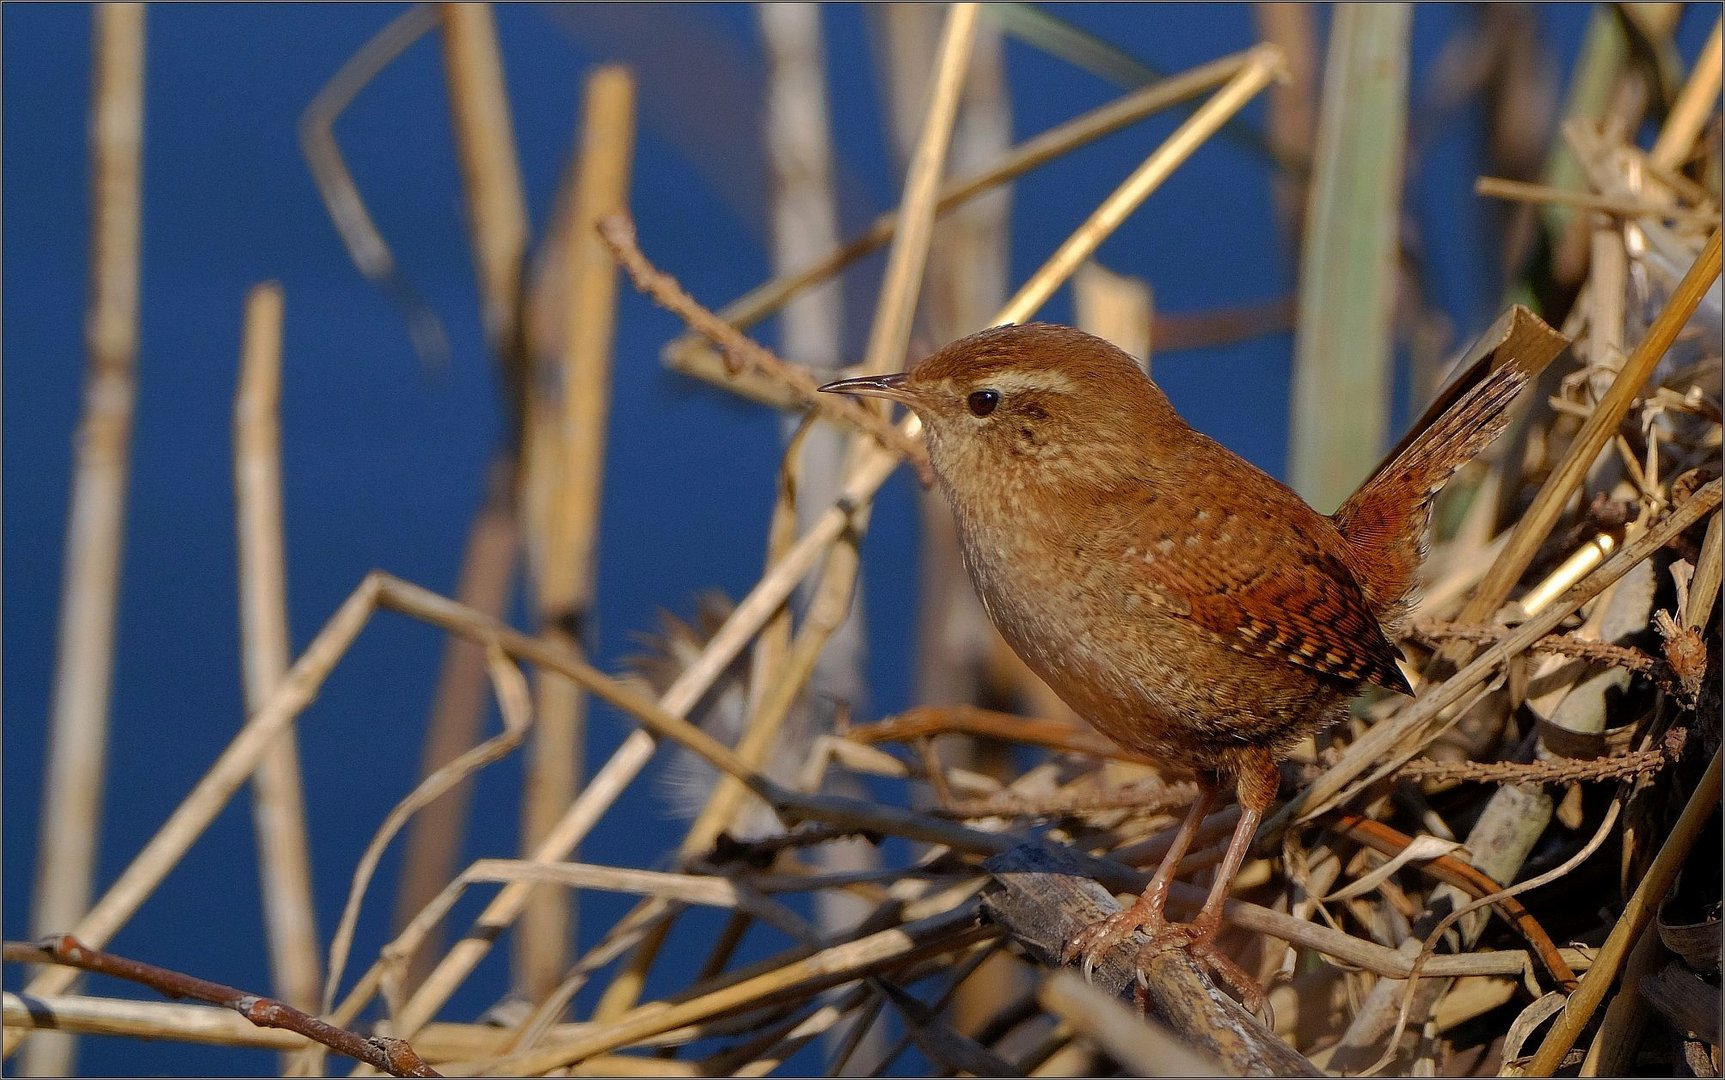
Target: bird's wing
x=1305, y=608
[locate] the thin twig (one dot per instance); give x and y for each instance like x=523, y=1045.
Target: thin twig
x=740, y=351
x=394, y=1056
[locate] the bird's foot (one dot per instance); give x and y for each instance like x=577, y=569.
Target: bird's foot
x=1198, y=940
x=1094, y=941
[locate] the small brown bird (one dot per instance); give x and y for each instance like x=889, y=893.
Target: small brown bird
x=1186, y=603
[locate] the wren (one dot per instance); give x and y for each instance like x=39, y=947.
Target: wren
x=1187, y=604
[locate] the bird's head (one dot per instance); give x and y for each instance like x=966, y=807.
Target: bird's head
x=1032, y=405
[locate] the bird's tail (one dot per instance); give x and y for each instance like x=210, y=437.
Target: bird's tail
x=1385, y=520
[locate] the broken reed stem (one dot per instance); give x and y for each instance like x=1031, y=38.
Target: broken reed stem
x=267, y=649
x=1548, y=505
x=394, y=1056
x=95, y=530
x=566, y=551
x=335, y=184
x=1636, y=917
x=490, y=169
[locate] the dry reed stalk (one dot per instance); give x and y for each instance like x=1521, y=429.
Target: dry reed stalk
x=206, y=1025
x=1554, y=495
x=70, y=833
x=1117, y=308
x=958, y=653
x=490, y=169
x=1344, y=340
x=888, y=338
x=569, y=485
x=1693, y=108
x=335, y=184
x=1388, y=745
x=1636, y=917
x=1036, y=151
x=1292, y=119
x=267, y=650
x=498, y=232
x=1620, y=206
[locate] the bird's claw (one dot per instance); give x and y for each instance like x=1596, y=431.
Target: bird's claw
x=1197, y=940
x=1093, y=942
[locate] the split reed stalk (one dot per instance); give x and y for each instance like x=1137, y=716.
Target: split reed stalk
x=267, y=650
x=70, y=833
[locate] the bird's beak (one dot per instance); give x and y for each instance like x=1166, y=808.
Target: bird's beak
x=891, y=387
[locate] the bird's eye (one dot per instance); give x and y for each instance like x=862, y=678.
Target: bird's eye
x=982, y=402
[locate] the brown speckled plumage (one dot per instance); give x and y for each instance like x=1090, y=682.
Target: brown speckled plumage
x=1186, y=603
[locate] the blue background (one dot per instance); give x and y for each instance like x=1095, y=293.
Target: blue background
x=384, y=460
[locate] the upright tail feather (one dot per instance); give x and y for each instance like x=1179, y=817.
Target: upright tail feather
x=1385, y=521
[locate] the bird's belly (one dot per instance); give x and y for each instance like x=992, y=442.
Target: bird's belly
x=1152, y=681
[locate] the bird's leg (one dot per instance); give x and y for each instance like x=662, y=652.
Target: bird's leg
x=1095, y=940
x=1256, y=779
